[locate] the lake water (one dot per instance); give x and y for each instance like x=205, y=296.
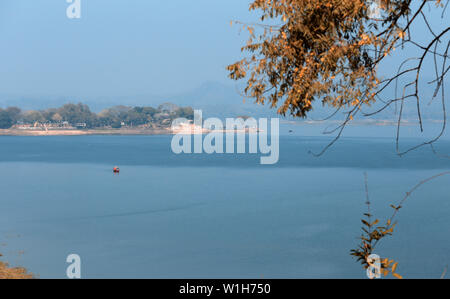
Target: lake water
x=215, y=216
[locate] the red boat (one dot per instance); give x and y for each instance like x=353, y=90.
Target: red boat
x=116, y=169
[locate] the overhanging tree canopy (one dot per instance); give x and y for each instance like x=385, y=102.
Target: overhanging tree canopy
x=328, y=52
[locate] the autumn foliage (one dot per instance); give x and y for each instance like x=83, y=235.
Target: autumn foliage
x=327, y=52
x=306, y=53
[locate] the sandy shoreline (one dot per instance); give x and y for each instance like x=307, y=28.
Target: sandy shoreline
x=16, y=132
x=13, y=273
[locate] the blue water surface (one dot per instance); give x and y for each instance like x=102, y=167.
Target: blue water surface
x=216, y=216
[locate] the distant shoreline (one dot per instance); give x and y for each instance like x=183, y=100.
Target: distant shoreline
x=42, y=132
x=121, y=131
x=362, y=122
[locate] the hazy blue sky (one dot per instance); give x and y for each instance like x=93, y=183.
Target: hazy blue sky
x=123, y=47
x=117, y=47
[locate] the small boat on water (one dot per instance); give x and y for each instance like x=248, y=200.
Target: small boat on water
x=116, y=169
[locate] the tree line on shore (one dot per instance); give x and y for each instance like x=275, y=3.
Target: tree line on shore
x=81, y=115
